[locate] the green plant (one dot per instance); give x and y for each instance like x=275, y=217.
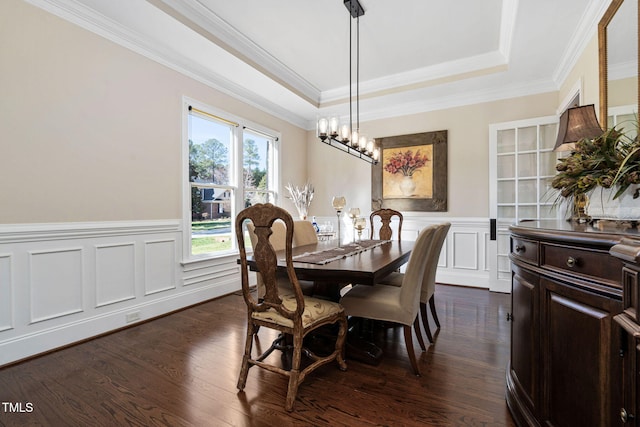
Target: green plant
x=610, y=160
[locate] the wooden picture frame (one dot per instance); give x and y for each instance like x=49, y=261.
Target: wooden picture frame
x=412, y=173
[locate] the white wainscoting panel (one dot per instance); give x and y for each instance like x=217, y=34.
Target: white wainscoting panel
x=160, y=268
x=62, y=283
x=463, y=260
x=55, y=284
x=65, y=282
x=443, y=261
x=465, y=253
x=115, y=273
x=6, y=293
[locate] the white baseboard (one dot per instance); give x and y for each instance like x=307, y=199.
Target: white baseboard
x=33, y=344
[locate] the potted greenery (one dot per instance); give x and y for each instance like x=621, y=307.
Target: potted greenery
x=604, y=169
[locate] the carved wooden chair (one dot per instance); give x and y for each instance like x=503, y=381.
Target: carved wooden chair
x=277, y=240
x=293, y=314
x=385, y=216
x=396, y=304
x=427, y=293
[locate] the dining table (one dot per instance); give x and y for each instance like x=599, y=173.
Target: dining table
x=332, y=266
x=362, y=262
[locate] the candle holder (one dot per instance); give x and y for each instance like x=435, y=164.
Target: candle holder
x=360, y=224
x=354, y=213
x=339, y=202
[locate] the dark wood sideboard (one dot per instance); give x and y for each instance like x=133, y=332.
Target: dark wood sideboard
x=575, y=328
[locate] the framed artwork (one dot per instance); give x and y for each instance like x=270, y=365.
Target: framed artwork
x=412, y=173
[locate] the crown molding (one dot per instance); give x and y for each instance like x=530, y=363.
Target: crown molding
x=427, y=103
x=587, y=28
x=507, y=26
x=194, y=12
x=423, y=75
x=404, y=102
x=87, y=18
x=459, y=67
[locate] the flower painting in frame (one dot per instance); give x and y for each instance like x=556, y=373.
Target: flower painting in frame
x=412, y=172
x=407, y=172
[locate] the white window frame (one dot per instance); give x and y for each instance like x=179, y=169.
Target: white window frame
x=273, y=161
x=236, y=184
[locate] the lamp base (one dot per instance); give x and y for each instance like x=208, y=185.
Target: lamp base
x=579, y=213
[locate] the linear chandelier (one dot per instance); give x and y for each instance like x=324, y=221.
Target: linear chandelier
x=345, y=136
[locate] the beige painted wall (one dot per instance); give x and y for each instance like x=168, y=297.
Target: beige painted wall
x=623, y=92
x=91, y=131
x=468, y=155
x=584, y=74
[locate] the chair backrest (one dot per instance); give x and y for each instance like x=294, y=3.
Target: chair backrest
x=385, y=215
x=304, y=233
x=277, y=237
x=429, y=279
x=277, y=240
x=413, y=276
x=263, y=217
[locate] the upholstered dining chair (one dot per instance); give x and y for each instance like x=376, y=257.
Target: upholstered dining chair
x=396, y=304
x=293, y=314
x=304, y=233
x=385, y=216
x=427, y=293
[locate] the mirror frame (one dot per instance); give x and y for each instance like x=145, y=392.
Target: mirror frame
x=602, y=59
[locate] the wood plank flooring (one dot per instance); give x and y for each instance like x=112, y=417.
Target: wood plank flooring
x=181, y=370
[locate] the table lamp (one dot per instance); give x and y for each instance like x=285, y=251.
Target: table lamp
x=577, y=123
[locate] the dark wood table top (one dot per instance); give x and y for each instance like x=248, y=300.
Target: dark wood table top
x=366, y=267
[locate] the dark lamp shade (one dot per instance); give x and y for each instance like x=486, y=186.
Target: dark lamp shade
x=577, y=123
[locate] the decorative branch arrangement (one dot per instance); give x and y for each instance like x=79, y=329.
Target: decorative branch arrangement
x=301, y=197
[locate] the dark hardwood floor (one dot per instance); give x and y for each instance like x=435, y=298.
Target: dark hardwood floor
x=181, y=370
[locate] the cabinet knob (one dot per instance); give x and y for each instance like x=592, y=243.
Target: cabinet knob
x=520, y=248
x=509, y=317
x=625, y=416
x=571, y=262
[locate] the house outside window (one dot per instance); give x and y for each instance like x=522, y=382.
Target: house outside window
x=232, y=164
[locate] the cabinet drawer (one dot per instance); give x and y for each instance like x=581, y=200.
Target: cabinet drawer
x=526, y=250
x=598, y=266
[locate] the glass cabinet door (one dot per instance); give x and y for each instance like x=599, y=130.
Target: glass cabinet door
x=522, y=165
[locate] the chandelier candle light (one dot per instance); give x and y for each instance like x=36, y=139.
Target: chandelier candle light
x=347, y=137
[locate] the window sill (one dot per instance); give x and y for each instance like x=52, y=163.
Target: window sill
x=221, y=258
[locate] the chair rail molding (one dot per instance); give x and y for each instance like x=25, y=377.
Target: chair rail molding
x=66, y=282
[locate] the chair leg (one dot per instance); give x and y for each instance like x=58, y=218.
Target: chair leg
x=340, y=341
x=432, y=304
x=408, y=339
x=425, y=321
x=416, y=328
x=294, y=374
x=244, y=370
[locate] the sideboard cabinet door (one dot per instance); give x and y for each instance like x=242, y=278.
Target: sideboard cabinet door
x=580, y=348
x=525, y=337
